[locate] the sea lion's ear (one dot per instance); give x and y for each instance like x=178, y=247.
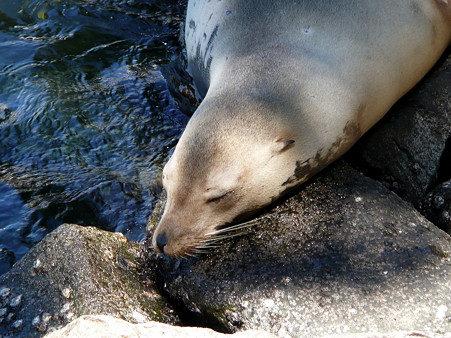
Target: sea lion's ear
x=282, y=144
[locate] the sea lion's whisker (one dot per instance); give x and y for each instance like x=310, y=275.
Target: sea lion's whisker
x=221, y=237
x=201, y=251
x=209, y=240
x=212, y=239
x=192, y=252
x=208, y=246
x=233, y=228
x=236, y=226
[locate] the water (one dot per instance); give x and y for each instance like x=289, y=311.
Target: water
x=86, y=118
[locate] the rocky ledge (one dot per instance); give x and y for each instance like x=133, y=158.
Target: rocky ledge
x=344, y=255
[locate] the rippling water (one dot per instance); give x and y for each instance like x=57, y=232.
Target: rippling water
x=86, y=119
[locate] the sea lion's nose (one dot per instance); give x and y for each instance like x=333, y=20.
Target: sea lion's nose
x=162, y=240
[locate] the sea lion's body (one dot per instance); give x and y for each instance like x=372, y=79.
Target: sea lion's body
x=289, y=87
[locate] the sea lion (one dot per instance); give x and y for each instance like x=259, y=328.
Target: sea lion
x=288, y=87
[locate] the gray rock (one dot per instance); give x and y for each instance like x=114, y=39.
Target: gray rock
x=107, y=326
x=398, y=334
x=407, y=150
x=77, y=271
x=437, y=206
x=344, y=255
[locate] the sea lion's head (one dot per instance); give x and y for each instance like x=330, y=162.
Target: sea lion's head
x=223, y=169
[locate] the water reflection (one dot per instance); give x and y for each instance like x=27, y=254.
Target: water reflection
x=86, y=119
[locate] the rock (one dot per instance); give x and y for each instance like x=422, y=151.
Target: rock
x=344, y=255
x=107, y=326
x=398, y=334
x=409, y=150
x=180, y=84
x=77, y=271
x=437, y=206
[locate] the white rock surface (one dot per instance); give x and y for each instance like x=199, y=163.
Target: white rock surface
x=111, y=327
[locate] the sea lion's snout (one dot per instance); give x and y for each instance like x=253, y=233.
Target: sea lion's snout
x=161, y=241
x=174, y=238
